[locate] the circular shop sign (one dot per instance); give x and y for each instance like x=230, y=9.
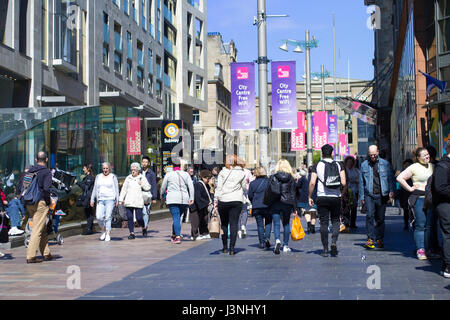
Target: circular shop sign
x=171, y=130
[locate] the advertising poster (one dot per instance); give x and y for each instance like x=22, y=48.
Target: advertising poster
x=284, y=95
x=320, y=129
x=298, y=135
x=133, y=136
x=343, y=144
x=332, y=129
x=243, y=110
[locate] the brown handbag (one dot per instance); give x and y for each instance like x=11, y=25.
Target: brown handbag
x=214, y=226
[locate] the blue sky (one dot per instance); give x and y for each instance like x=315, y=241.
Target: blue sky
x=234, y=20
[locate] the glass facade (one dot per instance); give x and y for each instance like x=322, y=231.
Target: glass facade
x=403, y=119
x=89, y=135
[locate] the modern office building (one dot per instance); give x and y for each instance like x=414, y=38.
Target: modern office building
x=212, y=129
x=147, y=56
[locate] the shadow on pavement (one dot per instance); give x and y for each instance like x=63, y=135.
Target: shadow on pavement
x=7, y=256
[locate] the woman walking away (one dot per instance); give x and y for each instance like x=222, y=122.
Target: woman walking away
x=106, y=192
x=259, y=210
x=180, y=195
x=285, y=205
x=132, y=198
x=419, y=173
x=229, y=198
x=310, y=213
x=199, y=210
x=87, y=185
x=353, y=184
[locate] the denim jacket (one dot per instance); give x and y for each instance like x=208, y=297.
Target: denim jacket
x=366, y=179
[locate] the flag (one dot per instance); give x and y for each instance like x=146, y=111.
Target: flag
x=433, y=82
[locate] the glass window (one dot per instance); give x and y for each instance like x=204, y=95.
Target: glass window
x=129, y=70
x=125, y=7
x=150, y=61
x=117, y=62
x=105, y=28
x=196, y=117
x=150, y=85
x=65, y=32
x=140, y=77
x=106, y=55
x=129, y=46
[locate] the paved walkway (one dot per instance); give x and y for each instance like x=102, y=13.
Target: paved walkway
x=155, y=269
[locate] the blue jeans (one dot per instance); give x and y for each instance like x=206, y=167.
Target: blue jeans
x=375, y=215
x=104, y=213
x=146, y=213
x=177, y=210
x=14, y=217
x=264, y=223
x=281, y=211
x=422, y=228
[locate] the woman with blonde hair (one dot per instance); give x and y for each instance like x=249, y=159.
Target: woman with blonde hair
x=285, y=205
x=229, y=198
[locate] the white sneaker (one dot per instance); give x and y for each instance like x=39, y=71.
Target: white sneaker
x=244, y=231
x=108, y=238
x=277, y=247
x=240, y=234
x=103, y=237
x=200, y=238
x=192, y=238
x=207, y=237
x=286, y=249
x=2, y=255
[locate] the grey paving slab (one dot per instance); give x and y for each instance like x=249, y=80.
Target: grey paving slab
x=203, y=273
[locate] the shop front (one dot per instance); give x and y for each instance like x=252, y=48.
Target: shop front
x=72, y=137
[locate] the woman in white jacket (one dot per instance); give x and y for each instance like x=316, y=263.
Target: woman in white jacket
x=131, y=196
x=229, y=199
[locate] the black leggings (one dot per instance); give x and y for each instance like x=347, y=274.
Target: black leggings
x=139, y=218
x=229, y=214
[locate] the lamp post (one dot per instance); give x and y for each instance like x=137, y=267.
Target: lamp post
x=260, y=21
x=322, y=75
x=307, y=44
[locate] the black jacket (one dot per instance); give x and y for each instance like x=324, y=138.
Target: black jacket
x=87, y=185
x=442, y=181
x=151, y=178
x=288, y=190
x=256, y=192
x=44, y=180
x=201, y=199
x=303, y=189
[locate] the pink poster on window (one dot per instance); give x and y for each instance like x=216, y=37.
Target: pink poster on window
x=320, y=129
x=298, y=135
x=133, y=136
x=342, y=144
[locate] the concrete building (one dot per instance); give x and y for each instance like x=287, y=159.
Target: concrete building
x=212, y=128
x=143, y=54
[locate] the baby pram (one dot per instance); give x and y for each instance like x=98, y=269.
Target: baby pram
x=54, y=215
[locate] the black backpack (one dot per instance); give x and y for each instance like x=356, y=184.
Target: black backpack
x=273, y=191
x=332, y=175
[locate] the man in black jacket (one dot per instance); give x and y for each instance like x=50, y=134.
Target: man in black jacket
x=151, y=178
x=39, y=211
x=441, y=197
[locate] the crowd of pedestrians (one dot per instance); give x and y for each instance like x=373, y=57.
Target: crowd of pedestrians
x=330, y=191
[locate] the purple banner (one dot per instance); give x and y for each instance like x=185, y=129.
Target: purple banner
x=284, y=95
x=332, y=129
x=243, y=109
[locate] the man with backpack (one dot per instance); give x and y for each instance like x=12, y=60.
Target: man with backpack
x=35, y=191
x=331, y=177
x=376, y=186
x=441, y=200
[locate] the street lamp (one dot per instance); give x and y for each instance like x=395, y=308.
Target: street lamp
x=307, y=44
x=322, y=75
x=260, y=21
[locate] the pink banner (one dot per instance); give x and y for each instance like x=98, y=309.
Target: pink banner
x=320, y=129
x=298, y=135
x=342, y=144
x=133, y=136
